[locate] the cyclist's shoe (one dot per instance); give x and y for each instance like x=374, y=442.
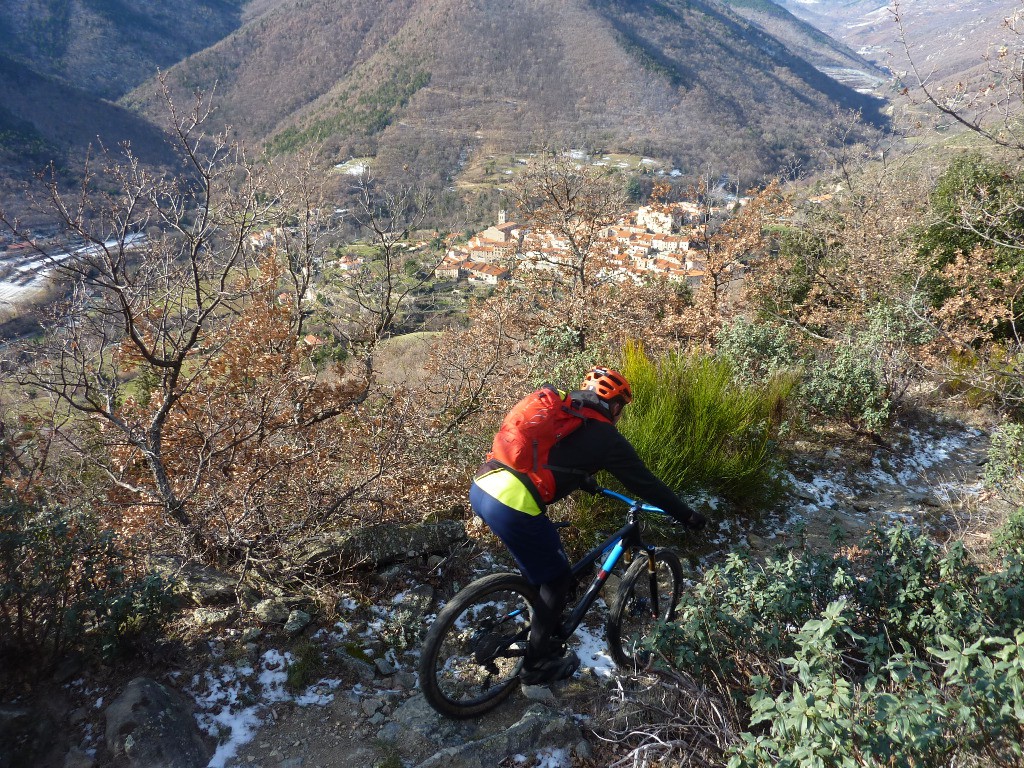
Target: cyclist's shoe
x=549, y=669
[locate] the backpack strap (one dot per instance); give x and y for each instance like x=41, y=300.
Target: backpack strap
x=579, y=405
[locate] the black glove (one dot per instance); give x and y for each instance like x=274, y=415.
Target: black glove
x=695, y=521
x=589, y=484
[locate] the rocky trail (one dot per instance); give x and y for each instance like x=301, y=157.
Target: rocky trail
x=345, y=695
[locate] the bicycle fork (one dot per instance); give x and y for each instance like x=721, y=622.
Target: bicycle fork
x=652, y=575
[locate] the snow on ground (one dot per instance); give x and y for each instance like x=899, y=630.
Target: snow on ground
x=547, y=758
x=233, y=700
x=590, y=645
x=915, y=472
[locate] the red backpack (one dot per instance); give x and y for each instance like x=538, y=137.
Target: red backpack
x=531, y=428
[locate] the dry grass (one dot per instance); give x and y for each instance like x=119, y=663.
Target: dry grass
x=402, y=359
x=662, y=719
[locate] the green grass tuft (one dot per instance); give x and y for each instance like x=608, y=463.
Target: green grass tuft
x=698, y=427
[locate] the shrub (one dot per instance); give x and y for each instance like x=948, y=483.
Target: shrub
x=1004, y=470
x=893, y=653
x=1009, y=537
x=558, y=356
x=65, y=585
x=697, y=427
x=756, y=351
x=863, y=378
x=846, y=384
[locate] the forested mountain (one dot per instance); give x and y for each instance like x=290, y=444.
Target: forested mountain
x=107, y=47
x=426, y=84
x=63, y=62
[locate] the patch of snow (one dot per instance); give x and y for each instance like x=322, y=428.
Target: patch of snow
x=319, y=694
x=222, y=714
x=274, y=674
x=232, y=700
x=591, y=646
x=553, y=758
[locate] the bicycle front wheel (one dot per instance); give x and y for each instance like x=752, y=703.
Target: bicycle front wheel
x=473, y=652
x=645, y=598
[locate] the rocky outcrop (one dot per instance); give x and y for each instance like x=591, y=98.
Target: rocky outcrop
x=539, y=729
x=427, y=740
x=151, y=726
x=381, y=545
x=26, y=736
x=203, y=586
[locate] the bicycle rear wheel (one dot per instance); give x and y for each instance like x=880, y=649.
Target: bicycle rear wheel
x=643, y=600
x=474, y=650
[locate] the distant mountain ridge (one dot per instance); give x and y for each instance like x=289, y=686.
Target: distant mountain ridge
x=425, y=86
x=433, y=82
x=829, y=54
x=947, y=39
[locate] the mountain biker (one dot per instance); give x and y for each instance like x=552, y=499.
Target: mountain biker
x=513, y=510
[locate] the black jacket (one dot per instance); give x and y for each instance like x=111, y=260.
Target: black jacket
x=597, y=445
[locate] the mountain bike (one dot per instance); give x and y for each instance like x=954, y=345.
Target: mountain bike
x=473, y=652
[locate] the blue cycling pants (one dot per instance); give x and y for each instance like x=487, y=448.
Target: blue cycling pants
x=533, y=540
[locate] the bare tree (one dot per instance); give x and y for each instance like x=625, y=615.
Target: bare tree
x=383, y=289
x=566, y=207
x=179, y=350
x=153, y=262
x=991, y=108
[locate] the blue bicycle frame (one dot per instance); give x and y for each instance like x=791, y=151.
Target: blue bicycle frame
x=620, y=543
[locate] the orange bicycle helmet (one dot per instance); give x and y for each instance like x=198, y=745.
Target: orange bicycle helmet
x=608, y=384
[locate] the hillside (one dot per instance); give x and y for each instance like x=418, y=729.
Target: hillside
x=829, y=54
x=106, y=47
x=63, y=62
x=947, y=40
x=431, y=85
x=43, y=119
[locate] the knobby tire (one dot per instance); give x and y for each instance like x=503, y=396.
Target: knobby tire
x=633, y=617
x=473, y=652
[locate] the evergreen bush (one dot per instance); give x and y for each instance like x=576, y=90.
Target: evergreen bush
x=1009, y=537
x=1004, y=470
x=756, y=351
x=65, y=585
x=894, y=652
x=846, y=383
x=558, y=357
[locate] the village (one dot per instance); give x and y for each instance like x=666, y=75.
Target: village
x=665, y=240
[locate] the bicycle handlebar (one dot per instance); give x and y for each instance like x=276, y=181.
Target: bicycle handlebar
x=632, y=502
